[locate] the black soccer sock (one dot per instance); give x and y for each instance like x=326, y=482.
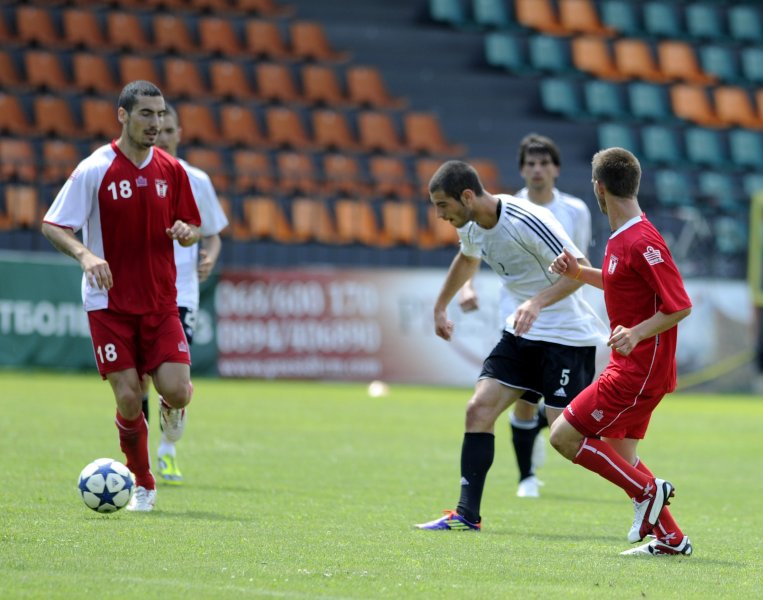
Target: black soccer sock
x=542, y=420
x=477, y=454
x=145, y=406
x=523, y=434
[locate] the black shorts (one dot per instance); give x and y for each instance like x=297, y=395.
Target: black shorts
x=554, y=372
x=188, y=319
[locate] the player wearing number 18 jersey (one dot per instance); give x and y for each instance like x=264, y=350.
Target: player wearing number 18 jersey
x=131, y=201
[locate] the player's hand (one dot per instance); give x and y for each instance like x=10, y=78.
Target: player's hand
x=524, y=317
x=182, y=232
x=565, y=264
x=443, y=326
x=97, y=271
x=467, y=298
x=623, y=340
x=205, y=265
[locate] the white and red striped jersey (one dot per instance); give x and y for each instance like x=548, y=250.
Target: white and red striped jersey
x=124, y=211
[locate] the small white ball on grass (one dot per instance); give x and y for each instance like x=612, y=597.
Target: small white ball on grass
x=377, y=389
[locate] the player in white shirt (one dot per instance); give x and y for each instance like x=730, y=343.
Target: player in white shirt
x=194, y=265
x=539, y=164
x=548, y=346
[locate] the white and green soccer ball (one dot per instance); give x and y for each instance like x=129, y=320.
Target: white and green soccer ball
x=105, y=485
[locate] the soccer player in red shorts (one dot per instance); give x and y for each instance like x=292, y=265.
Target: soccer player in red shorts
x=645, y=299
x=131, y=200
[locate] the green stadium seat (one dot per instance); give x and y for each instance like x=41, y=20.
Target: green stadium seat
x=504, y=51
x=649, y=101
x=745, y=23
x=660, y=145
x=549, y=54
x=719, y=61
x=448, y=12
x=603, y=99
x=705, y=147
x=746, y=148
x=719, y=186
x=491, y=13
x=673, y=188
x=661, y=20
x=703, y=22
x=617, y=135
x=561, y=96
x=752, y=64
x=752, y=183
x=621, y=14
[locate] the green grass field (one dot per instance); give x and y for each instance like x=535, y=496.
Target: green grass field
x=310, y=490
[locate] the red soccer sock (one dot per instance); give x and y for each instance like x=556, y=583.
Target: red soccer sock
x=133, y=439
x=598, y=456
x=666, y=530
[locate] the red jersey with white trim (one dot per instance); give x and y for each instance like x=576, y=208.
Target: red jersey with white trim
x=124, y=210
x=640, y=279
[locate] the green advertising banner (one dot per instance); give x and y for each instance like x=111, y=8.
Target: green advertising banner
x=43, y=324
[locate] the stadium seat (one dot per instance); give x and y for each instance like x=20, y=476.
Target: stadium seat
x=423, y=135
x=634, y=59
x=581, y=16
x=285, y=129
x=489, y=174
x=59, y=159
x=719, y=62
x=171, y=34
x=692, y=103
x=264, y=219
x=343, y=176
x=125, y=31
x=704, y=147
x=133, y=68
x=331, y=131
x=44, y=71
x=759, y=101
x=13, y=117
x=734, y=106
x=199, y=123
x=504, y=50
x=296, y=173
x=673, y=188
x=603, y=99
x=239, y=126
x=661, y=19
x=99, y=118
x=752, y=64
x=718, y=186
x=621, y=15
x=447, y=12
x=660, y=145
x=378, y=133
x=22, y=206
x=746, y=148
x=311, y=221
x=492, y=14
x=549, y=54
x=18, y=161
x=356, y=222
x=745, y=23
x=309, y=42
x=53, y=116
x=539, y=15
x=92, y=74
x=217, y=36
x=5, y=31
x=591, y=54
x=677, y=61
x=9, y=75
x=265, y=8
x=617, y=135
x=265, y=40
x=228, y=81
x=212, y=162
x=321, y=87
x=561, y=96
x=649, y=101
x=400, y=222
x=389, y=176
x=35, y=27
x=182, y=78
x=275, y=83
x=253, y=172
x=81, y=29
x=752, y=183
x=366, y=88
x=704, y=22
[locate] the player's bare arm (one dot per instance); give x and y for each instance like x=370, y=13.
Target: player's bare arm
x=623, y=339
x=567, y=265
x=95, y=268
x=467, y=297
x=461, y=270
x=208, y=254
x=185, y=234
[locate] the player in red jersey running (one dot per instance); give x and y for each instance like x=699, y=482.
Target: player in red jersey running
x=645, y=299
x=131, y=200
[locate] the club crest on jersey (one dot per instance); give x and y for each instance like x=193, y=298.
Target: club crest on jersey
x=161, y=188
x=182, y=347
x=613, y=260
x=653, y=256
x=141, y=181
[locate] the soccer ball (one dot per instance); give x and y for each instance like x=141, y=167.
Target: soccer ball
x=105, y=485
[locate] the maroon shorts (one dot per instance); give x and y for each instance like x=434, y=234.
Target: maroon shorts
x=141, y=342
x=607, y=410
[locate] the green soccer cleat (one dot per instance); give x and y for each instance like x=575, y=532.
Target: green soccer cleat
x=168, y=470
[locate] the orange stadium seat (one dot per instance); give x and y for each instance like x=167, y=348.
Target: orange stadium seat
x=378, y=133
x=539, y=15
x=182, y=78
x=53, y=116
x=309, y=42
x=424, y=135
x=311, y=221
x=171, y=34
x=734, y=106
x=264, y=40
x=5, y=32
x=217, y=36
x=365, y=87
x=35, y=27
x=253, y=172
x=580, y=16
x=321, y=86
x=125, y=32
x=678, y=61
x=264, y=219
x=390, y=177
x=400, y=222
x=265, y=8
x=212, y=163
x=285, y=128
x=275, y=83
x=59, y=159
x=92, y=73
x=82, y=29
x=296, y=173
x=17, y=160
x=331, y=131
x=133, y=68
x=228, y=80
x=691, y=102
x=356, y=222
x=343, y=176
x=239, y=126
x=634, y=59
x=591, y=54
x=99, y=118
x=198, y=123
x=44, y=71
x=9, y=76
x=489, y=174
x=22, y=206
x=425, y=168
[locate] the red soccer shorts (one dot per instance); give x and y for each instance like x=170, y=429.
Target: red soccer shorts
x=606, y=409
x=142, y=342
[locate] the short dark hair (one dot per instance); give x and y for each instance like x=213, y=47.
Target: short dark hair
x=534, y=143
x=129, y=95
x=619, y=171
x=453, y=177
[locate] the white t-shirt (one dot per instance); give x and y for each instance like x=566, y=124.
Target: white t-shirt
x=213, y=221
x=519, y=248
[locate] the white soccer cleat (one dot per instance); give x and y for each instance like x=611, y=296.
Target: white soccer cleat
x=647, y=511
x=658, y=548
x=172, y=421
x=529, y=487
x=142, y=500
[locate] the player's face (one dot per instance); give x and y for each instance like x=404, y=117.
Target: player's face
x=539, y=171
x=144, y=122
x=451, y=210
x=169, y=136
